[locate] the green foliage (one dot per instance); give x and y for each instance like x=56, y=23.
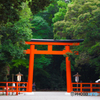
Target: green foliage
x=63, y=66
x=25, y=13
x=57, y=82
x=59, y=23
x=9, y=8
x=58, y=30
x=20, y=62
x=3, y=72
x=62, y=11
x=41, y=29
x=49, y=12
x=13, y=37
x=42, y=61
x=36, y=5
x=82, y=21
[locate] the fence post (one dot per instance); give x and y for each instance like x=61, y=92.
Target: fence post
x=27, y=87
x=80, y=87
x=16, y=88
x=71, y=87
x=6, y=88
x=90, y=87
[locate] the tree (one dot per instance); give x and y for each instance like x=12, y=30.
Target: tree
x=41, y=29
x=37, y=5
x=62, y=11
x=9, y=8
x=59, y=22
x=82, y=21
x=15, y=16
x=13, y=36
x=49, y=12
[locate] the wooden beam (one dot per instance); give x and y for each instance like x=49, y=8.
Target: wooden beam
x=49, y=51
x=53, y=43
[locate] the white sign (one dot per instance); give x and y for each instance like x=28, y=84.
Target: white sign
x=76, y=78
x=19, y=78
x=97, y=81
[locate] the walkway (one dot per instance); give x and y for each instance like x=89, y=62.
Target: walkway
x=48, y=96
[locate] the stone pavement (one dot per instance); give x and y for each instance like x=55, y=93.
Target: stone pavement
x=48, y=96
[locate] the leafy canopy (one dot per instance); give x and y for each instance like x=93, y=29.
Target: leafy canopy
x=81, y=21
x=9, y=8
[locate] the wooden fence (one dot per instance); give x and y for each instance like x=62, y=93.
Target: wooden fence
x=76, y=87
x=8, y=87
x=86, y=87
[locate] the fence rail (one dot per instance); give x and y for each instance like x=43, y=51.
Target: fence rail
x=86, y=87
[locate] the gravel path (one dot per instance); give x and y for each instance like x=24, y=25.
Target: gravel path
x=48, y=96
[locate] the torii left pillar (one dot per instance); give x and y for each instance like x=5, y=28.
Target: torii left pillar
x=31, y=68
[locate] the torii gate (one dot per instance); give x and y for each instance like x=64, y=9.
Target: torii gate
x=50, y=42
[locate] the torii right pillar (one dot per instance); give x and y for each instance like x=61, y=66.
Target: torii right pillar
x=68, y=71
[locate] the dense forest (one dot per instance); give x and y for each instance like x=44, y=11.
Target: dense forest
x=23, y=20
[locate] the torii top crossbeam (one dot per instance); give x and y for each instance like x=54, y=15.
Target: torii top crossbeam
x=54, y=42
x=50, y=43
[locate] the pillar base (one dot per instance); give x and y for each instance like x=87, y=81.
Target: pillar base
x=67, y=93
x=29, y=93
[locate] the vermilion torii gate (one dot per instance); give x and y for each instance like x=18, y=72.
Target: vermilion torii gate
x=50, y=42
